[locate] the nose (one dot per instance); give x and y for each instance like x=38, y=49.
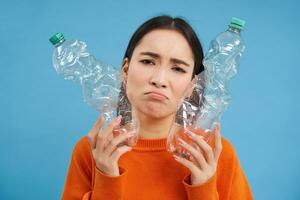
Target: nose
x=158, y=78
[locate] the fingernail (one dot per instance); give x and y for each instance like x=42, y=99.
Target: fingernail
x=217, y=126
x=190, y=134
x=130, y=134
x=118, y=119
x=129, y=148
x=181, y=141
x=193, y=135
x=175, y=157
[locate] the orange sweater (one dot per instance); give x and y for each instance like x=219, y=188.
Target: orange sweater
x=149, y=172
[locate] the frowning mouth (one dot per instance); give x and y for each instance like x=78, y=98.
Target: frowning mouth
x=156, y=95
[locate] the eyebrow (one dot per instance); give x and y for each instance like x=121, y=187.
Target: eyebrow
x=155, y=55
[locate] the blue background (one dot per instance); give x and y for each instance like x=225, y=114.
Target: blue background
x=42, y=116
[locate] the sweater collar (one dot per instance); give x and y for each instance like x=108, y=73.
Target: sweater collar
x=151, y=145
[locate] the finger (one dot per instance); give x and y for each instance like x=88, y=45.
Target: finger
x=110, y=127
x=203, y=145
x=115, y=142
x=108, y=132
x=102, y=139
x=119, y=152
x=196, y=154
x=191, y=166
x=92, y=135
x=218, y=142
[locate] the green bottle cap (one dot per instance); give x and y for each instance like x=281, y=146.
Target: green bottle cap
x=57, y=38
x=237, y=23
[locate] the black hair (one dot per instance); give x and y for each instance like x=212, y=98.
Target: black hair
x=170, y=23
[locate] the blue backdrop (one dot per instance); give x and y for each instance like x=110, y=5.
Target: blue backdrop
x=42, y=116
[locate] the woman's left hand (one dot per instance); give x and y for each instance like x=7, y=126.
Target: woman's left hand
x=205, y=159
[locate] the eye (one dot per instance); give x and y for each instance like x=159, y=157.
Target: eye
x=179, y=69
x=147, y=62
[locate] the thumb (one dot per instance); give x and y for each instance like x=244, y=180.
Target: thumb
x=119, y=152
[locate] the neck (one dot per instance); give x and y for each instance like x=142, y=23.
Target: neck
x=154, y=128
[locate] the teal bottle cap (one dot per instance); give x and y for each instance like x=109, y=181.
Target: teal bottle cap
x=57, y=38
x=237, y=23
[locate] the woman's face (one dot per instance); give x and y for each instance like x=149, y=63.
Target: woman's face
x=160, y=69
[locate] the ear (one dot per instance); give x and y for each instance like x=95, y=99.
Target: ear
x=125, y=67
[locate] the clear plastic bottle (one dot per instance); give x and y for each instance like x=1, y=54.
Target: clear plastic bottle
x=100, y=82
x=210, y=88
x=221, y=65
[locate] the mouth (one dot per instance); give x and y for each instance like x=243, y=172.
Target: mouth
x=156, y=95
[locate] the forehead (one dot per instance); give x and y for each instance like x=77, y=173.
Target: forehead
x=169, y=43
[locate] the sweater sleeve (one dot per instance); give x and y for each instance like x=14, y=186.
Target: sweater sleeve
x=232, y=182
x=207, y=191
x=239, y=187
x=229, y=182
x=85, y=182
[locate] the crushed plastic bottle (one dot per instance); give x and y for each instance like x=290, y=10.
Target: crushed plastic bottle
x=100, y=83
x=202, y=109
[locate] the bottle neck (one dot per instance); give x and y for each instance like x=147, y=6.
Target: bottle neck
x=235, y=30
x=59, y=43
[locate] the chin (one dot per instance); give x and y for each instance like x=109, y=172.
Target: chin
x=156, y=111
x=153, y=109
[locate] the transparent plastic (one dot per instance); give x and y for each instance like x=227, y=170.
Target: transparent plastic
x=202, y=109
x=101, y=85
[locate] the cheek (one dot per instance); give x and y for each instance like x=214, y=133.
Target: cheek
x=137, y=76
x=136, y=80
x=179, y=87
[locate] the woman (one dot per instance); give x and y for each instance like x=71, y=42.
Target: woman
x=161, y=59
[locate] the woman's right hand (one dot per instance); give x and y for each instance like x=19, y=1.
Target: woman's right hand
x=105, y=147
